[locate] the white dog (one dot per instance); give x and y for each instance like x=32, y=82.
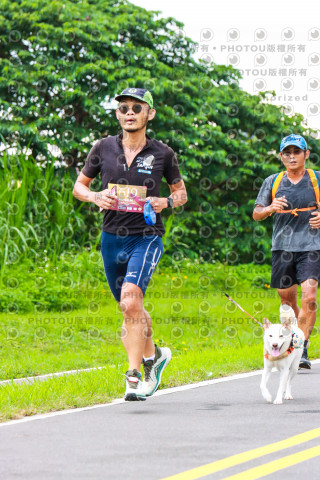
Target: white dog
x=283, y=347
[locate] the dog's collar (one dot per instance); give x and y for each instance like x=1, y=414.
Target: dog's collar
x=283, y=355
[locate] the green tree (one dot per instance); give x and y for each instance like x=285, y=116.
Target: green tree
x=61, y=63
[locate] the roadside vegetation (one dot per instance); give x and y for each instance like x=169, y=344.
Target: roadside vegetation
x=60, y=67
x=77, y=326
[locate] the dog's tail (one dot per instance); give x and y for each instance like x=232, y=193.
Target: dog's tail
x=287, y=313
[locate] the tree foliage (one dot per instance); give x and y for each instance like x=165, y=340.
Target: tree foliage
x=61, y=64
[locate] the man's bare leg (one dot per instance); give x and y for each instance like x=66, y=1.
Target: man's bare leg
x=137, y=340
x=288, y=296
x=136, y=327
x=149, y=350
x=308, y=311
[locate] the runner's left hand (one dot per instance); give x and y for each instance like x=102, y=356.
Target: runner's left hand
x=315, y=220
x=158, y=203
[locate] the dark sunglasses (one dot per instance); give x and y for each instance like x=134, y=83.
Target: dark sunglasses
x=294, y=152
x=137, y=108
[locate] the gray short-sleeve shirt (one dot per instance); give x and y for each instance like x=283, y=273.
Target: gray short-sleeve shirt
x=290, y=233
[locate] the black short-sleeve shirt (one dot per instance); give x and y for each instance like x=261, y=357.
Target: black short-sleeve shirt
x=155, y=161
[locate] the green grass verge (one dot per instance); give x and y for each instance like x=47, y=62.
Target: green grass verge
x=102, y=386
x=208, y=336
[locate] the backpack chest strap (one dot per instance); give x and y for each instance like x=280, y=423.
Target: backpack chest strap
x=315, y=183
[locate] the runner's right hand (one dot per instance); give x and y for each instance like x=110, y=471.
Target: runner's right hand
x=278, y=204
x=105, y=199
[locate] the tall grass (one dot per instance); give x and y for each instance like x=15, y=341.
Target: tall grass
x=38, y=215
x=40, y=218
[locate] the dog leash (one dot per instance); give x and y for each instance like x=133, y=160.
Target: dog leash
x=237, y=304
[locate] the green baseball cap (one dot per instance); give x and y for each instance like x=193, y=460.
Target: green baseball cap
x=140, y=93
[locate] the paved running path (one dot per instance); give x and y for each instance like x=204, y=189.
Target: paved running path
x=166, y=435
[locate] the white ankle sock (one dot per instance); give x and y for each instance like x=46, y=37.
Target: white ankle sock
x=149, y=358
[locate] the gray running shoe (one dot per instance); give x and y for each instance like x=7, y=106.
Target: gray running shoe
x=134, y=386
x=305, y=362
x=153, y=370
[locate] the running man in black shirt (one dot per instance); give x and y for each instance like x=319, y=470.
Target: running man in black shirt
x=293, y=198
x=131, y=166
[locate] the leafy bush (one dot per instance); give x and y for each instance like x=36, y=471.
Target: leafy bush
x=225, y=139
x=77, y=280
x=39, y=215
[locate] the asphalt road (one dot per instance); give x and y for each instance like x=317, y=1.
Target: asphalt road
x=168, y=434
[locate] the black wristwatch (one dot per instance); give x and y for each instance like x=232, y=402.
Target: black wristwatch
x=170, y=202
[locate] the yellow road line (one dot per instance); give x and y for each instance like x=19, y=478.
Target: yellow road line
x=276, y=465
x=228, y=462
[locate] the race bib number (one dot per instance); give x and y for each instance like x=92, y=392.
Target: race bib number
x=131, y=198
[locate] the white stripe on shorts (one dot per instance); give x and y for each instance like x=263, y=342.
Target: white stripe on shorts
x=145, y=256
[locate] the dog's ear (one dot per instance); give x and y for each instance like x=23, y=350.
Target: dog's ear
x=266, y=323
x=286, y=329
x=287, y=323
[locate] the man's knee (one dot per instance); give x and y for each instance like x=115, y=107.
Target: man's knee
x=310, y=300
x=131, y=302
x=129, y=306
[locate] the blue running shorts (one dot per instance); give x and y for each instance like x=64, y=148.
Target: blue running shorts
x=131, y=258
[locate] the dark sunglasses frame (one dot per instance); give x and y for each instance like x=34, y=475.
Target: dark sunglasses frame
x=136, y=108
